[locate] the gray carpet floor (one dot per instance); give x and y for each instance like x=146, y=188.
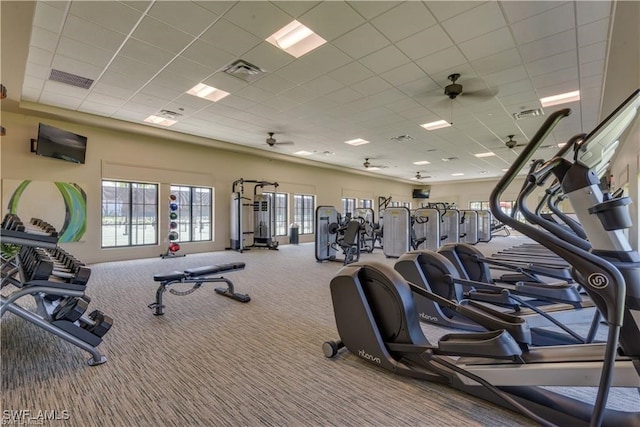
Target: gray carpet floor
x=214, y=361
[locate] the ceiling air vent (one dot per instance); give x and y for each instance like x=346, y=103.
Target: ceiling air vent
x=526, y=114
x=168, y=114
x=244, y=70
x=402, y=138
x=70, y=79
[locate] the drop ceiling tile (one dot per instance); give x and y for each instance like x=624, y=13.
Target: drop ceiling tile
x=384, y=60
x=371, y=86
x=553, y=63
x=594, y=52
x=424, y=43
x=325, y=59
x=509, y=75
x=150, y=101
x=299, y=95
x=98, y=109
x=444, y=10
x=60, y=100
x=44, y=39
x=174, y=81
x=187, y=104
x=445, y=60
x=102, y=88
x=323, y=85
x=591, y=81
x=92, y=34
x=487, y=44
x=371, y=9
x=496, y=62
x=361, y=41
x=344, y=95
x=52, y=87
x=33, y=83
x=404, y=74
x=217, y=7
x=592, y=68
x=274, y=83
x=48, y=17
x=268, y=57
x=153, y=56
x=83, y=52
x=593, y=33
x=261, y=18
x=136, y=69
x=254, y=94
x=592, y=11
x=350, y=73
x=514, y=87
x=517, y=11
x=551, y=22
x=550, y=79
x=111, y=14
x=404, y=20
x=158, y=34
x=227, y=36
x=40, y=56
x=548, y=46
x=558, y=88
x=332, y=19
x=402, y=104
x=296, y=8
x=212, y=58
x=187, y=17
x=140, y=5
x=234, y=102
x=477, y=21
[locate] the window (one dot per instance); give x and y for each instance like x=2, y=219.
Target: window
x=194, y=213
x=129, y=214
x=365, y=203
x=280, y=203
x=479, y=206
x=303, y=207
x=348, y=206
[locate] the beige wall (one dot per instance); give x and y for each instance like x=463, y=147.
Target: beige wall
x=129, y=156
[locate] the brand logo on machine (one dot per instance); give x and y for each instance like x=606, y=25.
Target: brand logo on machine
x=368, y=356
x=428, y=318
x=598, y=280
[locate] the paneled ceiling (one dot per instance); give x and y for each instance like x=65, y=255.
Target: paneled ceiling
x=380, y=75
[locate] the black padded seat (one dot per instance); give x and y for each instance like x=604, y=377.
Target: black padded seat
x=214, y=269
x=172, y=275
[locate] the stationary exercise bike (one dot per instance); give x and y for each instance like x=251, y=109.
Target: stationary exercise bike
x=377, y=319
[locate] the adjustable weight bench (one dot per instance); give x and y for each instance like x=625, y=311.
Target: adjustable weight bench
x=197, y=276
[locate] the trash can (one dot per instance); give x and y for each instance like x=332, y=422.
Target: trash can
x=293, y=234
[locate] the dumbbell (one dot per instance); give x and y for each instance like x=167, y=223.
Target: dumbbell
x=73, y=309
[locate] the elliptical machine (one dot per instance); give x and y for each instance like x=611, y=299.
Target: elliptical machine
x=377, y=319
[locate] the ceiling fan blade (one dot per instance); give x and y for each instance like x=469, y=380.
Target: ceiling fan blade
x=284, y=143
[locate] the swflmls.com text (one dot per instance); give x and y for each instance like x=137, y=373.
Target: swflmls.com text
x=28, y=417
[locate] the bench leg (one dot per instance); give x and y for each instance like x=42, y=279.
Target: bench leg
x=230, y=292
x=157, y=306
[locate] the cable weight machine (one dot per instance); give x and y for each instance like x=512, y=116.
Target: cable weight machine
x=252, y=217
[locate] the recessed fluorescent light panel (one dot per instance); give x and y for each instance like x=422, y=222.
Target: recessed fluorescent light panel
x=487, y=154
x=296, y=39
x=422, y=162
x=202, y=90
x=357, y=141
x=436, y=125
x=562, y=98
x=373, y=168
x=162, y=121
x=457, y=174
x=303, y=153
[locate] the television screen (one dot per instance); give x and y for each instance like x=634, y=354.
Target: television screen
x=60, y=144
x=421, y=193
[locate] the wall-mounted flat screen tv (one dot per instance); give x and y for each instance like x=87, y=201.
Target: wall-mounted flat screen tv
x=60, y=144
x=421, y=193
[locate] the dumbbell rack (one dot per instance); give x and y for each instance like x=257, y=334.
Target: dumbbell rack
x=50, y=275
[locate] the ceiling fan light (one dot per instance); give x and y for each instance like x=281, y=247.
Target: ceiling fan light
x=562, y=98
x=436, y=125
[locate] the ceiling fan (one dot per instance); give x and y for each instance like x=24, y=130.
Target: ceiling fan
x=512, y=143
x=456, y=89
x=271, y=141
x=418, y=176
x=367, y=165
